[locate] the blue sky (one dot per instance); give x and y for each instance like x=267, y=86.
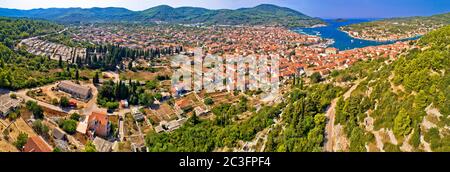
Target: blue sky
x=315, y=8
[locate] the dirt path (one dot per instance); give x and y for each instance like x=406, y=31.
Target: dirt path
x=378, y=140
x=261, y=137
x=425, y=144
x=329, y=130
x=335, y=139
x=395, y=89
x=406, y=147
x=392, y=137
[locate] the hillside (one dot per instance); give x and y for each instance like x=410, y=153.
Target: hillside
x=260, y=15
x=18, y=69
x=402, y=106
x=14, y=29
x=397, y=28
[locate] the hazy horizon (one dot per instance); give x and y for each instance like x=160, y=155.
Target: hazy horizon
x=327, y=9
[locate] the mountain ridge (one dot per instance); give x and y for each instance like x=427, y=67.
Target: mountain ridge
x=264, y=14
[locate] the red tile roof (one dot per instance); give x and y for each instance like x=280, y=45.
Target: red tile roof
x=99, y=122
x=101, y=118
x=36, y=144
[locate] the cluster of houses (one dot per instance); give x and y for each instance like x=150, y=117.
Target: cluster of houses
x=309, y=60
x=304, y=60
x=97, y=127
x=298, y=55
x=242, y=40
x=55, y=51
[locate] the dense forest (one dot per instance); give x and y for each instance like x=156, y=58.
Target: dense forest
x=19, y=69
x=303, y=120
x=110, y=93
x=264, y=14
x=110, y=57
x=12, y=30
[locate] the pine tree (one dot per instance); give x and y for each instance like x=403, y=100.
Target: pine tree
x=68, y=71
x=60, y=63
x=96, y=79
x=77, y=75
x=301, y=83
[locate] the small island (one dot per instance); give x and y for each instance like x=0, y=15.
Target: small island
x=340, y=20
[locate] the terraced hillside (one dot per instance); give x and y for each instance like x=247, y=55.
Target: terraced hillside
x=403, y=105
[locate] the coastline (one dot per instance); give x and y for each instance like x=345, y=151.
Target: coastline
x=380, y=40
x=341, y=39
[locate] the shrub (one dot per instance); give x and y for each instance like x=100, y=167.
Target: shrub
x=75, y=116
x=209, y=101
x=64, y=102
x=69, y=126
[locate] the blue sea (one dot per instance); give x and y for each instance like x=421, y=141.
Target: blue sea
x=342, y=41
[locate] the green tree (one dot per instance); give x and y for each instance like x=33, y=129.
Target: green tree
x=69, y=126
x=415, y=138
x=158, y=96
x=56, y=149
x=193, y=120
x=60, y=63
x=55, y=102
x=21, y=140
x=64, y=101
x=37, y=111
x=209, y=101
x=316, y=77
x=112, y=105
x=75, y=116
x=96, y=78
x=402, y=123
x=77, y=75
x=421, y=100
x=13, y=116
x=40, y=128
x=152, y=84
x=90, y=147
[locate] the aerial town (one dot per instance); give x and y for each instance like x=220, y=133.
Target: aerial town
x=264, y=78
x=81, y=121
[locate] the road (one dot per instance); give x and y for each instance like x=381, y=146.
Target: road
x=90, y=106
x=25, y=97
